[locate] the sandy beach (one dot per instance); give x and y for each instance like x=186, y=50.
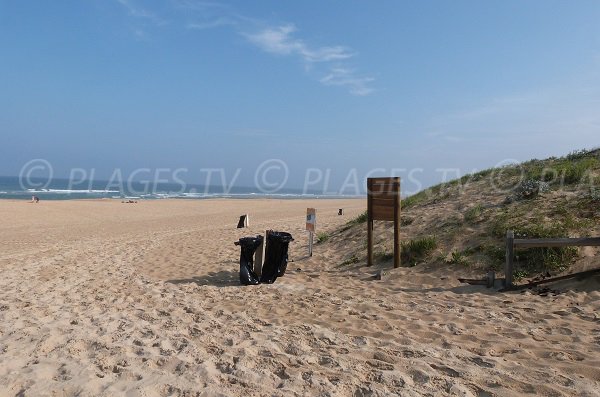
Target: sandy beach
x=100, y=298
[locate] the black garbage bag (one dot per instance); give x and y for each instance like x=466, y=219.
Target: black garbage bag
x=276, y=256
x=248, y=246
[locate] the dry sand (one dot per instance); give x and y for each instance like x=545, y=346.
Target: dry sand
x=99, y=298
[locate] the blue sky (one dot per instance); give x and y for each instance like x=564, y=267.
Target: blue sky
x=333, y=85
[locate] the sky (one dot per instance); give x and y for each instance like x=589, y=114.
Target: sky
x=370, y=88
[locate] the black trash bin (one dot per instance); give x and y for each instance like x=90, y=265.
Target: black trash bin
x=248, y=246
x=276, y=256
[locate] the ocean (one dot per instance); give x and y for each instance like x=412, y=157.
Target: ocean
x=64, y=189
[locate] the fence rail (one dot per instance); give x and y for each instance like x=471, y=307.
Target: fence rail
x=512, y=243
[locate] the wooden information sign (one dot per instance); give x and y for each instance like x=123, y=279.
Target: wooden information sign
x=383, y=204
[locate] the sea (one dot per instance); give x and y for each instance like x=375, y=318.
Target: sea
x=64, y=189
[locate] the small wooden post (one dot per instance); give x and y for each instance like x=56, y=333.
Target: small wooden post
x=369, y=224
x=510, y=253
x=397, y=247
x=258, y=257
x=491, y=279
x=311, y=223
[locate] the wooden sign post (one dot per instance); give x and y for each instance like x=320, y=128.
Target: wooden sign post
x=311, y=222
x=383, y=204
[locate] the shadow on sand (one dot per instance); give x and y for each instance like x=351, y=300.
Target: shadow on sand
x=217, y=279
x=459, y=290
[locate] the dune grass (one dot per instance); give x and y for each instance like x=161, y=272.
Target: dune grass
x=361, y=218
x=322, y=237
x=415, y=251
x=473, y=213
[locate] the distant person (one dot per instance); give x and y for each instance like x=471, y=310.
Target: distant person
x=35, y=199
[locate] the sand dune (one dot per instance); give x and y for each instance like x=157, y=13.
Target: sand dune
x=99, y=298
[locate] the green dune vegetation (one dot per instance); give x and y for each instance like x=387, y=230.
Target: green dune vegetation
x=463, y=222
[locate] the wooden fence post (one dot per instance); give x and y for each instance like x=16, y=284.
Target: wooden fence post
x=397, y=203
x=369, y=224
x=510, y=253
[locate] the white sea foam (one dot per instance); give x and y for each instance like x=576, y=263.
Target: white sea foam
x=70, y=191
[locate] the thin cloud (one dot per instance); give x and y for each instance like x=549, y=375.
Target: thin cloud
x=347, y=78
x=139, y=12
x=328, y=63
x=209, y=15
x=279, y=41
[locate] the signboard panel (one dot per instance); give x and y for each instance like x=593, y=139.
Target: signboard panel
x=311, y=219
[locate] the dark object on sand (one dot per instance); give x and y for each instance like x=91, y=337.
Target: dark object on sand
x=276, y=256
x=341, y=211
x=248, y=246
x=243, y=222
x=531, y=284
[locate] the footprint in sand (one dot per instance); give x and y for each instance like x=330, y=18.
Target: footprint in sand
x=328, y=361
x=419, y=376
x=482, y=363
x=381, y=365
x=446, y=370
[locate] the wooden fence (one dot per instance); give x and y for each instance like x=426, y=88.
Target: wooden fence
x=512, y=243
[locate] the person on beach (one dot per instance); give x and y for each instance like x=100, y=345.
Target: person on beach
x=35, y=199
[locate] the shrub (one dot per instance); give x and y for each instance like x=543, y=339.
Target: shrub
x=473, y=213
x=496, y=255
x=483, y=174
x=353, y=259
x=545, y=258
x=534, y=259
x=405, y=221
x=520, y=274
x=383, y=256
x=570, y=170
x=322, y=237
x=500, y=225
x=595, y=194
x=574, y=172
x=413, y=251
x=578, y=154
x=530, y=189
x=457, y=258
x=415, y=199
x=362, y=218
